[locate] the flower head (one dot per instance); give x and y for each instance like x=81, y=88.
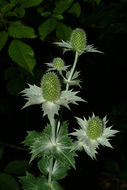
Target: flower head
x=49, y=95
x=93, y=133
x=57, y=64
x=77, y=42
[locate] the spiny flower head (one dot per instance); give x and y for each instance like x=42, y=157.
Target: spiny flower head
x=93, y=133
x=78, y=43
x=94, y=128
x=78, y=39
x=58, y=63
x=50, y=85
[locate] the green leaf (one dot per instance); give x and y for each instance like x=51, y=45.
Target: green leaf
x=43, y=165
x=62, y=6
x=30, y=3
x=17, y=167
x=29, y=182
x=32, y=135
x=3, y=2
x=19, y=12
x=22, y=54
x=3, y=39
x=63, y=153
x=63, y=31
x=8, y=182
x=18, y=30
x=42, y=12
x=47, y=27
x=7, y=7
x=75, y=9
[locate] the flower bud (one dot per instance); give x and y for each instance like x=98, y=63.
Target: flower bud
x=50, y=85
x=58, y=63
x=78, y=39
x=94, y=128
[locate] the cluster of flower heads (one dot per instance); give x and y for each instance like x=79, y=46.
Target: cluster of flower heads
x=50, y=95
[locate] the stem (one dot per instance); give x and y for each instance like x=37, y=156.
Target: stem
x=73, y=69
x=52, y=122
x=50, y=170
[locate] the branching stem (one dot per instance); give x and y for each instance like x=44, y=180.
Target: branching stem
x=72, y=70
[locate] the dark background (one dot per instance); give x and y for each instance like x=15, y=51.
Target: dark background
x=104, y=87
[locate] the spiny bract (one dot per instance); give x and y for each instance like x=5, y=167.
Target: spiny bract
x=51, y=88
x=94, y=128
x=58, y=63
x=78, y=39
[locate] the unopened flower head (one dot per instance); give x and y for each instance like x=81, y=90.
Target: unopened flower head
x=92, y=133
x=50, y=85
x=78, y=39
x=58, y=63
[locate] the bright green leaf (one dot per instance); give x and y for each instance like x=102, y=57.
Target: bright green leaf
x=3, y=38
x=63, y=31
x=30, y=3
x=22, y=54
x=17, y=167
x=75, y=9
x=8, y=182
x=18, y=30
x=62, y=6
x=47, y=27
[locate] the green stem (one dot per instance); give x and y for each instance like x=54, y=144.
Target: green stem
x=50, y=171
x=72, y=70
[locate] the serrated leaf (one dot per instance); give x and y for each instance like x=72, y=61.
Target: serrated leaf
x=32, y=135
x=30, y=3
x=17, y=167
x=75, y=9
x=22, y=54
x=3, y=38
x=47, y=27
x=8, y=182
x=18, y=30
x=63, y=31
x=62, y=6
x=29, y=182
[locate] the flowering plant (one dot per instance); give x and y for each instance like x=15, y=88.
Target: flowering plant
x=53, y=147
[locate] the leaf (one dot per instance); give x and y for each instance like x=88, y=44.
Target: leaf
x=3, y=39
x=75, y=9
x=62, y=6
x=43, y=165
x=29, y=182
x=32, y=135
x=19, y=12
x=8, y=182
x=17, y=167
x=42, y=12
x=18, y=30
x=30, y=3
x=63, y=31
x=7, y=7
x=47, y=27
x=22, y=54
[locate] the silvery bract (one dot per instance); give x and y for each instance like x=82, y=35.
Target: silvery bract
x=91, y=138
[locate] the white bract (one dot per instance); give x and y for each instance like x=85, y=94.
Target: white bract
x=91, y=134
x=34, y=95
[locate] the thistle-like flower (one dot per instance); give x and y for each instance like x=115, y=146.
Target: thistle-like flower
x=57, y=64
x=50, y=95
x=92, y=134
x=77, y=42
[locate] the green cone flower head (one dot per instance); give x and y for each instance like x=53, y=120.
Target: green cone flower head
x=78, y=39
x=94, y=128
x=58, y=63
x=50, y=85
